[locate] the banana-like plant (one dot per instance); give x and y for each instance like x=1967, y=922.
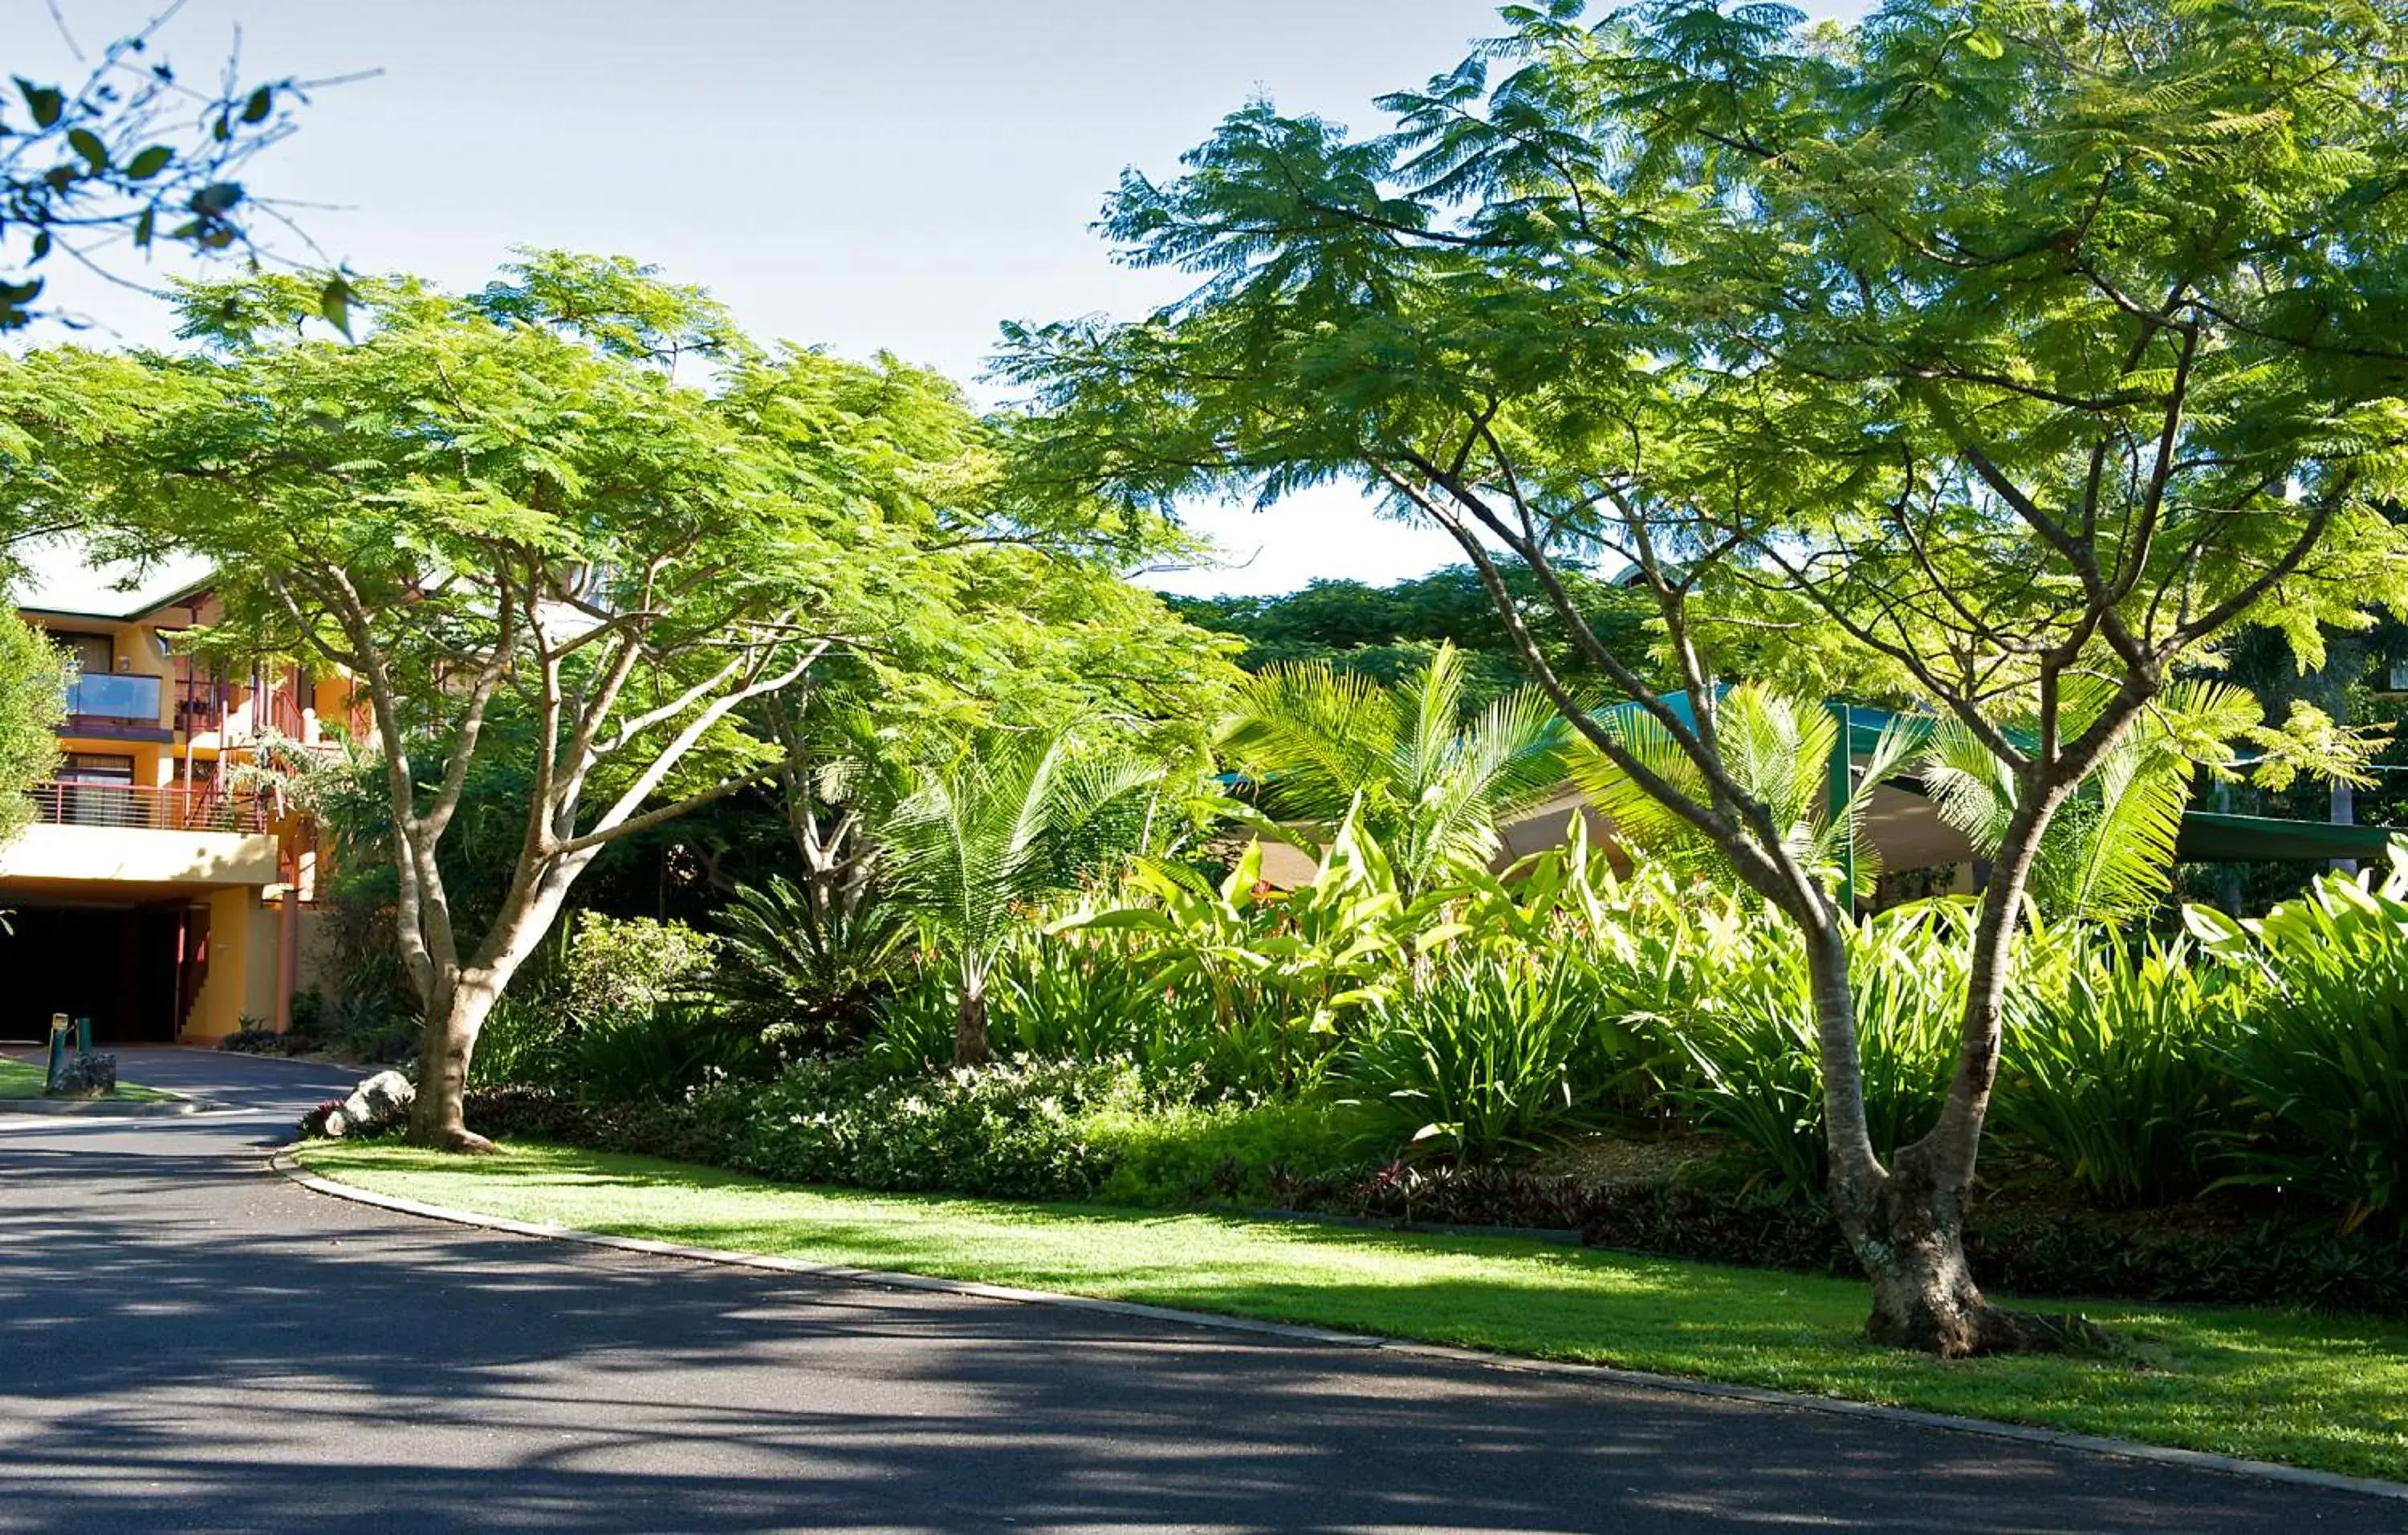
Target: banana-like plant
x=2108, y=854
x=1429, y=781
x=1777, y=749
x=1291, y=968
x=1017, y=821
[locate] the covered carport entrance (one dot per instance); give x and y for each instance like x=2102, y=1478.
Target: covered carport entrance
x=123, y=966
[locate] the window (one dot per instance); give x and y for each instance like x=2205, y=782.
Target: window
x=96, y=767
x=95, y=653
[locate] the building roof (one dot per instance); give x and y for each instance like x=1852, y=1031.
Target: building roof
x=60, y=577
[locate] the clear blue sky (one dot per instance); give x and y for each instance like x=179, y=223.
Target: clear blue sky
x=862, y=175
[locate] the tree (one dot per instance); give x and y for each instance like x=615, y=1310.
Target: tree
x=33, y=701
x=1428, y=779
x=1017, y=819
x=1990, y=358
x=134, y=153
x=1386, y=632
x=505, y=517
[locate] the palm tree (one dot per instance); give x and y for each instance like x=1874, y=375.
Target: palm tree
x=1777, y=749
x=2109, y=852
x=1017, y=820
x=1432, y=781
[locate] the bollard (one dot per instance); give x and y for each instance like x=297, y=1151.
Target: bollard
x=83, y=1036
x=57, y=1052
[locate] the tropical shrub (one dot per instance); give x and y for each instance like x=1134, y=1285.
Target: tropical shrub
x=654, y=1055
x=1011, y=1129
x=2117, y=1075
x=803, y=960
x=1285, y=976
x=1759, y=1077
x=626, y=967
x=1017, y=821
x=2323, y=1050
x=1172, y=1154
x=1475, y=1057
x=1416, y=769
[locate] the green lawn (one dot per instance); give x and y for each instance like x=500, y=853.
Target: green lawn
x=18, y=1080
x=2329, y=1392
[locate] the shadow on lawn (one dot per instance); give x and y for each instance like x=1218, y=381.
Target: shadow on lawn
x=195, y=1347
x=2310, y=1383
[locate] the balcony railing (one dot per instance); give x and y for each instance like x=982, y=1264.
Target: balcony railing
x=144, y=808
x=276, y=708
x=123, y=699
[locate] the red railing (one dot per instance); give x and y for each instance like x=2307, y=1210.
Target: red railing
x=274, y=707
x=144, y=808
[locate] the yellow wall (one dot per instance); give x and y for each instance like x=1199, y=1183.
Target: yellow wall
x=136, y=854
x=242, y=966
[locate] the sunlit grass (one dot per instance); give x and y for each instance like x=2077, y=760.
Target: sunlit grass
x=18, y=1080
x=2329, y=1392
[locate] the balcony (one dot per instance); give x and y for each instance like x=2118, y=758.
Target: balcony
x=120, y=705
x=143, y=808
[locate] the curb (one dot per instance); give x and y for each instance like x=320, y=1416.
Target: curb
x=2198, y=1461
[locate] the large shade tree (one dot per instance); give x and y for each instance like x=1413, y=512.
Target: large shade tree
x=1996, y=358
x=509, y=519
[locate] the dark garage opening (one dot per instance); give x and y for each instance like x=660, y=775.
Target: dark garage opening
x=116, y=965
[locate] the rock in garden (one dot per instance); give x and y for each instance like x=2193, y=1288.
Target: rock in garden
x=380, y=1103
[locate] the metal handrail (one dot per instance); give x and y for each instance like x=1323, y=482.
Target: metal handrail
x=143, y=806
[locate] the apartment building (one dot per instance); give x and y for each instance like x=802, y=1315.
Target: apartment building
x=156, y=894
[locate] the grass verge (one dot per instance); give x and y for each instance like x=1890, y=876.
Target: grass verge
x=18, y=1080
x=2312, y=1390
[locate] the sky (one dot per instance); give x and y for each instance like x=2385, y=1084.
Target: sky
x=865, y=177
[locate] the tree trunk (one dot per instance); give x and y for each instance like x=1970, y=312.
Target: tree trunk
x=1906, y=1224
x=438, y=1115
x=969, y=1026
x=1911, y=1239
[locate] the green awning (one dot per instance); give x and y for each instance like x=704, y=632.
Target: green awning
x=2208, y=837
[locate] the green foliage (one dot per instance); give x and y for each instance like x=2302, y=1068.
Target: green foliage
x=1281, y=975
x=658, y=1052
x=33, y=701
x=133, y=152
x=2324, y=1050
x=1017, y=820
x=1758, y=1075
x=1955, y=357
x=1388, y=633
x=2108, y=854
x=1172, y=1154
x=1430, y=782
x=1010, y=1128
x=1481, y=1055
x=625, y=967
x=619, y=1018
x=2117, y=1074
x=1776, y=748
x=803, y=960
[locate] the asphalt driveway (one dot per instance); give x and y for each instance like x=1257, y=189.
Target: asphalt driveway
x=189, y=1342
